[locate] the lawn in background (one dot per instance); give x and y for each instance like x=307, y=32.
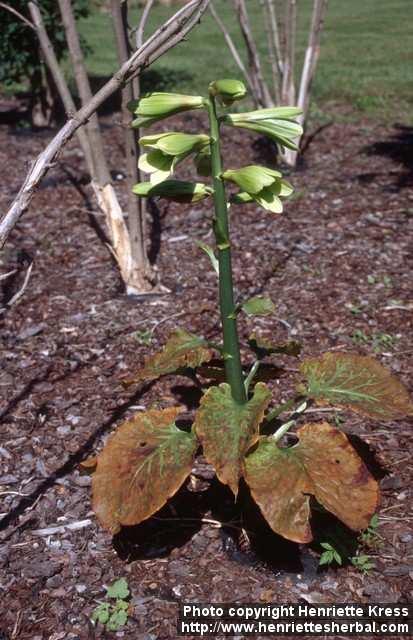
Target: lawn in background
x=365, y=62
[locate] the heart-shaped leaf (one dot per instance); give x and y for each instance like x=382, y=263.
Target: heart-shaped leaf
x=358, y=382
x=142, y=465
x=183, y=350
x=322, y=464
x=227, y=429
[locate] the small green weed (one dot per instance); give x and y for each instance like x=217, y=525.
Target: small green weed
x=113, y=615
x=143, y=337
x=330, y=555
x=363, y=563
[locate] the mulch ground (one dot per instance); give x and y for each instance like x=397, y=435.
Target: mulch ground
x=338, y=267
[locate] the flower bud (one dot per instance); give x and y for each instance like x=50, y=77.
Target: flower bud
x=228, y=90
x=156, y=106
x=175, y=190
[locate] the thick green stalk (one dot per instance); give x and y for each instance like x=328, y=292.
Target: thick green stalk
x=233, y=369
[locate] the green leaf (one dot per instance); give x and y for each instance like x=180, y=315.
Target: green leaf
x=252, y=178
x=175, y=190
x=175, y=144
x=101, y=613
x=143, y=464
x=211, y=255
x=182, y=350
x=358, y=382
x=156, y=106
x=258, y=306
x=322, y=464
x=117, y=620
x=265, y=347
x=119, y=589
x=228, y=90
x=227, y=429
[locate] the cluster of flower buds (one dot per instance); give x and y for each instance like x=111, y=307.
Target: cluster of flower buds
x=164, y=151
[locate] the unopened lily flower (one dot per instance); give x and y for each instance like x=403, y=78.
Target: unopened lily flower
x=259, y=184
x=167, y=150
x=156, y=106
x=276, y=123
x=174, y=190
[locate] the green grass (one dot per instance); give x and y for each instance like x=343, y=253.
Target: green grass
x=365, y=57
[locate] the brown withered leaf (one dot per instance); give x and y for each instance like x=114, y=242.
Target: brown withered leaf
x=182, y=350
x=227, y=429
x=266, y=347
x=358, y=382
x=88, y=465
x=322, y=464
x=142, y=465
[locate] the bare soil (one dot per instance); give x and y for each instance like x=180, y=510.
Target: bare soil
x=337, y=264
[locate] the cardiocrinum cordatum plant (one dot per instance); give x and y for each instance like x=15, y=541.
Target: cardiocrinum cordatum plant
x=149, y=457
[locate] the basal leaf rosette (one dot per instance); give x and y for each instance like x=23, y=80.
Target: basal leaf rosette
x=261, y=185
x=174, y=190
x=157, y=106
x=167, y=150
x=358, y=382
x=276, y=123
x=322, y=464
x=182, y=350
x=142, y=465
x=227, y=430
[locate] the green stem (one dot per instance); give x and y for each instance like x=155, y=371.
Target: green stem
x=286, y=406
x=233, y=368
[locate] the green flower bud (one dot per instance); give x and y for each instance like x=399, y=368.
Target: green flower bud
x=228, y=90
x=276, y=123
x=252, y=178
x=156, y=106
x=175, y=190
x=175, y=144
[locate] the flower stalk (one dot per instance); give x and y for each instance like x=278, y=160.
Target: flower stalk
x=232, y=358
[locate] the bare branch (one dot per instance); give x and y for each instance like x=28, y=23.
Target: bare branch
x=311, y=55
x=271, y=52
x=275, y=33
x=21, y=17
x=173, y=31
x=142, y=23
x=231, y=46
x=136, y=206
x=59, y=79
x=262, y=93
x=14, y=300
x=288, y=87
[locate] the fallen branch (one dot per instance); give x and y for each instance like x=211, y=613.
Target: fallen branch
x=14, y=300
x=166, y=37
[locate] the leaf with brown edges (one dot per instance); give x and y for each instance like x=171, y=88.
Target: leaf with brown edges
x=358, y=382
x=322, y=464
x=182, y=350
x=142, y=465
x=227, y=429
